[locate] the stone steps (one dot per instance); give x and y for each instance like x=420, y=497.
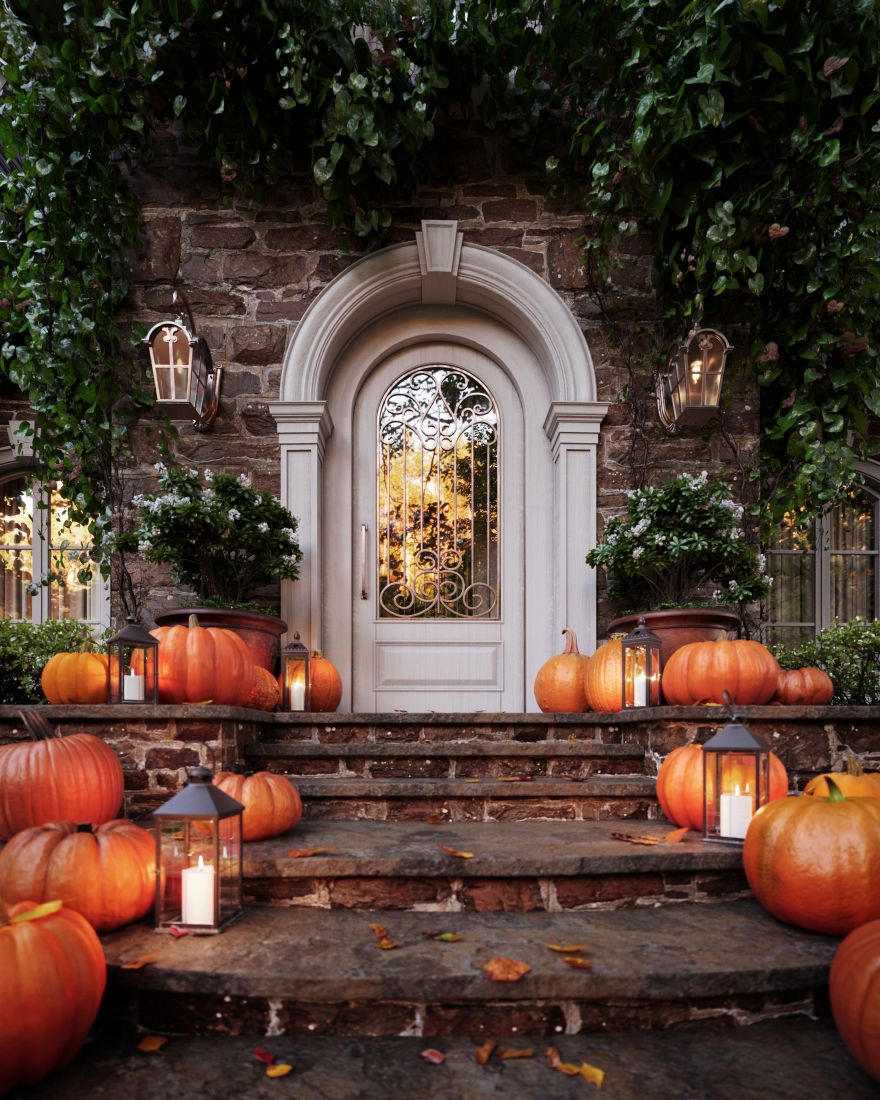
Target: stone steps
x=787, y=1059
x=295, y=972
x=519, y=866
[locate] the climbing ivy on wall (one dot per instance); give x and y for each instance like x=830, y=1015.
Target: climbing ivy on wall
x=742, y=136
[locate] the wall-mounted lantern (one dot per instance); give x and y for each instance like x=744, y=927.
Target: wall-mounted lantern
x=689, y=389
x=187, y=383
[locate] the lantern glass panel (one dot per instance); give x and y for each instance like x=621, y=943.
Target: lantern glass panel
x=171, y=357
x=704, y=368
x=737, y=785
x=231, y=898
x=295, y=684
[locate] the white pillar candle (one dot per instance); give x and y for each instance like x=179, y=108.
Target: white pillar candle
x=132, y=686
x=640, y=690
x=197, y=894
x=736, y=813
x=298, y=695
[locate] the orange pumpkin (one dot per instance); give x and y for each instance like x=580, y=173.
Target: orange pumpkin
x=803, y=687
x=199, y=664
x=75, y=678
x=603, y=679
x=76, y=777
x=854, y=986
x=325, y=683
x=680, y=784
x=271, y=802
x=107, y=874
x=701, y=672
x=266, y=692
x=853, y=783
x=559, y=685
x=815, y=862
x=53, y=972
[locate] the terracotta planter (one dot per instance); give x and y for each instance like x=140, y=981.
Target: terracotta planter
x=260, y=633
x=676, y=628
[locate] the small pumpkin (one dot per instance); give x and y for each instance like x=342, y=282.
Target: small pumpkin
x=325, y=683
x=815, y=862
x=803, y=687
x=106, y=874
x=701, y=672
x=853, y=783
x=76, y=678
x=266, y=691
x=202, y=663
x=77, y=777
x=53, y=974
x=271, y=802
x=854, y=987
x=559, y=685
x=680, y=784
x=603, y=678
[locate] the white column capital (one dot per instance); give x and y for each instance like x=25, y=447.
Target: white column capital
x=574, y=424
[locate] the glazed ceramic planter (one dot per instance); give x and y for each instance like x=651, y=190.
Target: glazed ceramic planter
x=260, y=633
x=677, y=627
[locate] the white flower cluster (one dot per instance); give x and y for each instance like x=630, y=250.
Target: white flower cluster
x=641, y=527
x=735, y=509
x=234, y=515
x=263, y=526
x=637, y=552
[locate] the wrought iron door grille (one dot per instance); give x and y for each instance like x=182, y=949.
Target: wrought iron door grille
x=437, y=506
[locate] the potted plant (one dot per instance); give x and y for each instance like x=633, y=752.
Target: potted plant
x=225, y=540
x=680, y=550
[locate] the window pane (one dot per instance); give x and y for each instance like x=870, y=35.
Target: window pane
x=789, y=537
x=788, y=635
x=16, y=541
x=791, y=598
x=76, y=598
x=852, y=586
x=851, y=526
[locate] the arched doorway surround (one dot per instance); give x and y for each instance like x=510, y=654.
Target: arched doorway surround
x=438, y=293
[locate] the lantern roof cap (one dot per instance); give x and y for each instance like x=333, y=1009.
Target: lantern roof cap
x=735, y=737
x=134, y=634
x=642, y=633
x=200, y=798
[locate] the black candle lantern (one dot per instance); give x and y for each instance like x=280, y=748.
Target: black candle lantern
x=640, y=668
x=133, y=665
x=296, y=680
x=198, y=858
x=736, y=781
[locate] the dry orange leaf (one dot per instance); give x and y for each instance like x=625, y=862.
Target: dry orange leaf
x=382, y=940
x=301, y=853
x=589, y=1073
x=502, y=969
x=472, y=781
x=434, y=1056
x=136, y=964
x=453, y=852
x=632, y=838
x=515, y=1052
x=578, y=964
x=263, y=1055
x=484, y=1053
x=568, y=950
x=280, y=1069
x=676, y=835
x=516, y=779
x=151, y=1043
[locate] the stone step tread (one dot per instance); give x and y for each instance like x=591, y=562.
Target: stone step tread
x=594, y=786
x=789, y=1059
x=429, y=749
x=500, y=850
x=330, y=956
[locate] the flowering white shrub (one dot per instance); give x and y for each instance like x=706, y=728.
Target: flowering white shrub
x=224, y=539
x=680, y=544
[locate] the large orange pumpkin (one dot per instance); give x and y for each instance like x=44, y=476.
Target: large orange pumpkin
x=559, y=685
x=200, y=664
x=853, y=783
x=271, y=802
x=77, y=778
x=53, y=976
x=107, y=875
x=854, y=985
x=701, y=672
x=266, y=692
x=75, y=678
x=803, y=687
x=815, y=862
x=325, y=683
x=680, y=784
x=603, y=678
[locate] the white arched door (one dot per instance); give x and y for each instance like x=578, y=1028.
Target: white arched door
x=438, y=510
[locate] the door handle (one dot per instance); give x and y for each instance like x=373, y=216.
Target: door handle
x=364, y=595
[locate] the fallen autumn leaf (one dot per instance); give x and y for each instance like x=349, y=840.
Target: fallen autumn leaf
x=569, y=949
x=453, y=852
x=281, y=1069
x=435, y=1057
x=301, y=853
x=136, y=964
x=502, y=969
x=506, y=1053
x=151, y=1043
x=483, y=1053
x=578, y=964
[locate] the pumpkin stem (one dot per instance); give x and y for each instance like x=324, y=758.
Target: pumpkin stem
x=36, y=724
x=835, y=794
x=571, y=642
x=854, y=766
x=193, y=621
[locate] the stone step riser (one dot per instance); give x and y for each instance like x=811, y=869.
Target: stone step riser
x=440, y=767
x=476, y=808
x=480, y=894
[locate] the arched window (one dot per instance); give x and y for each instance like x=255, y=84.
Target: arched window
x=830, y=572
x=34, y=540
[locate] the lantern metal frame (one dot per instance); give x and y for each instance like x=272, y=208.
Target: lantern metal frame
x=733, y=753
x=640, y=655
x=186, y=380
x=178, y=823
x=133, y=637
x=689, y=389
x=295, y=653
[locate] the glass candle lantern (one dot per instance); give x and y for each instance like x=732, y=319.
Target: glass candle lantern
x=198, y=858
x=296, y=680
x=736, y=782
x=640, y=668
x=689, y=390
x=133, y=665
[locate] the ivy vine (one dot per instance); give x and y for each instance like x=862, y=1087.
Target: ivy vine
x=741, y=136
